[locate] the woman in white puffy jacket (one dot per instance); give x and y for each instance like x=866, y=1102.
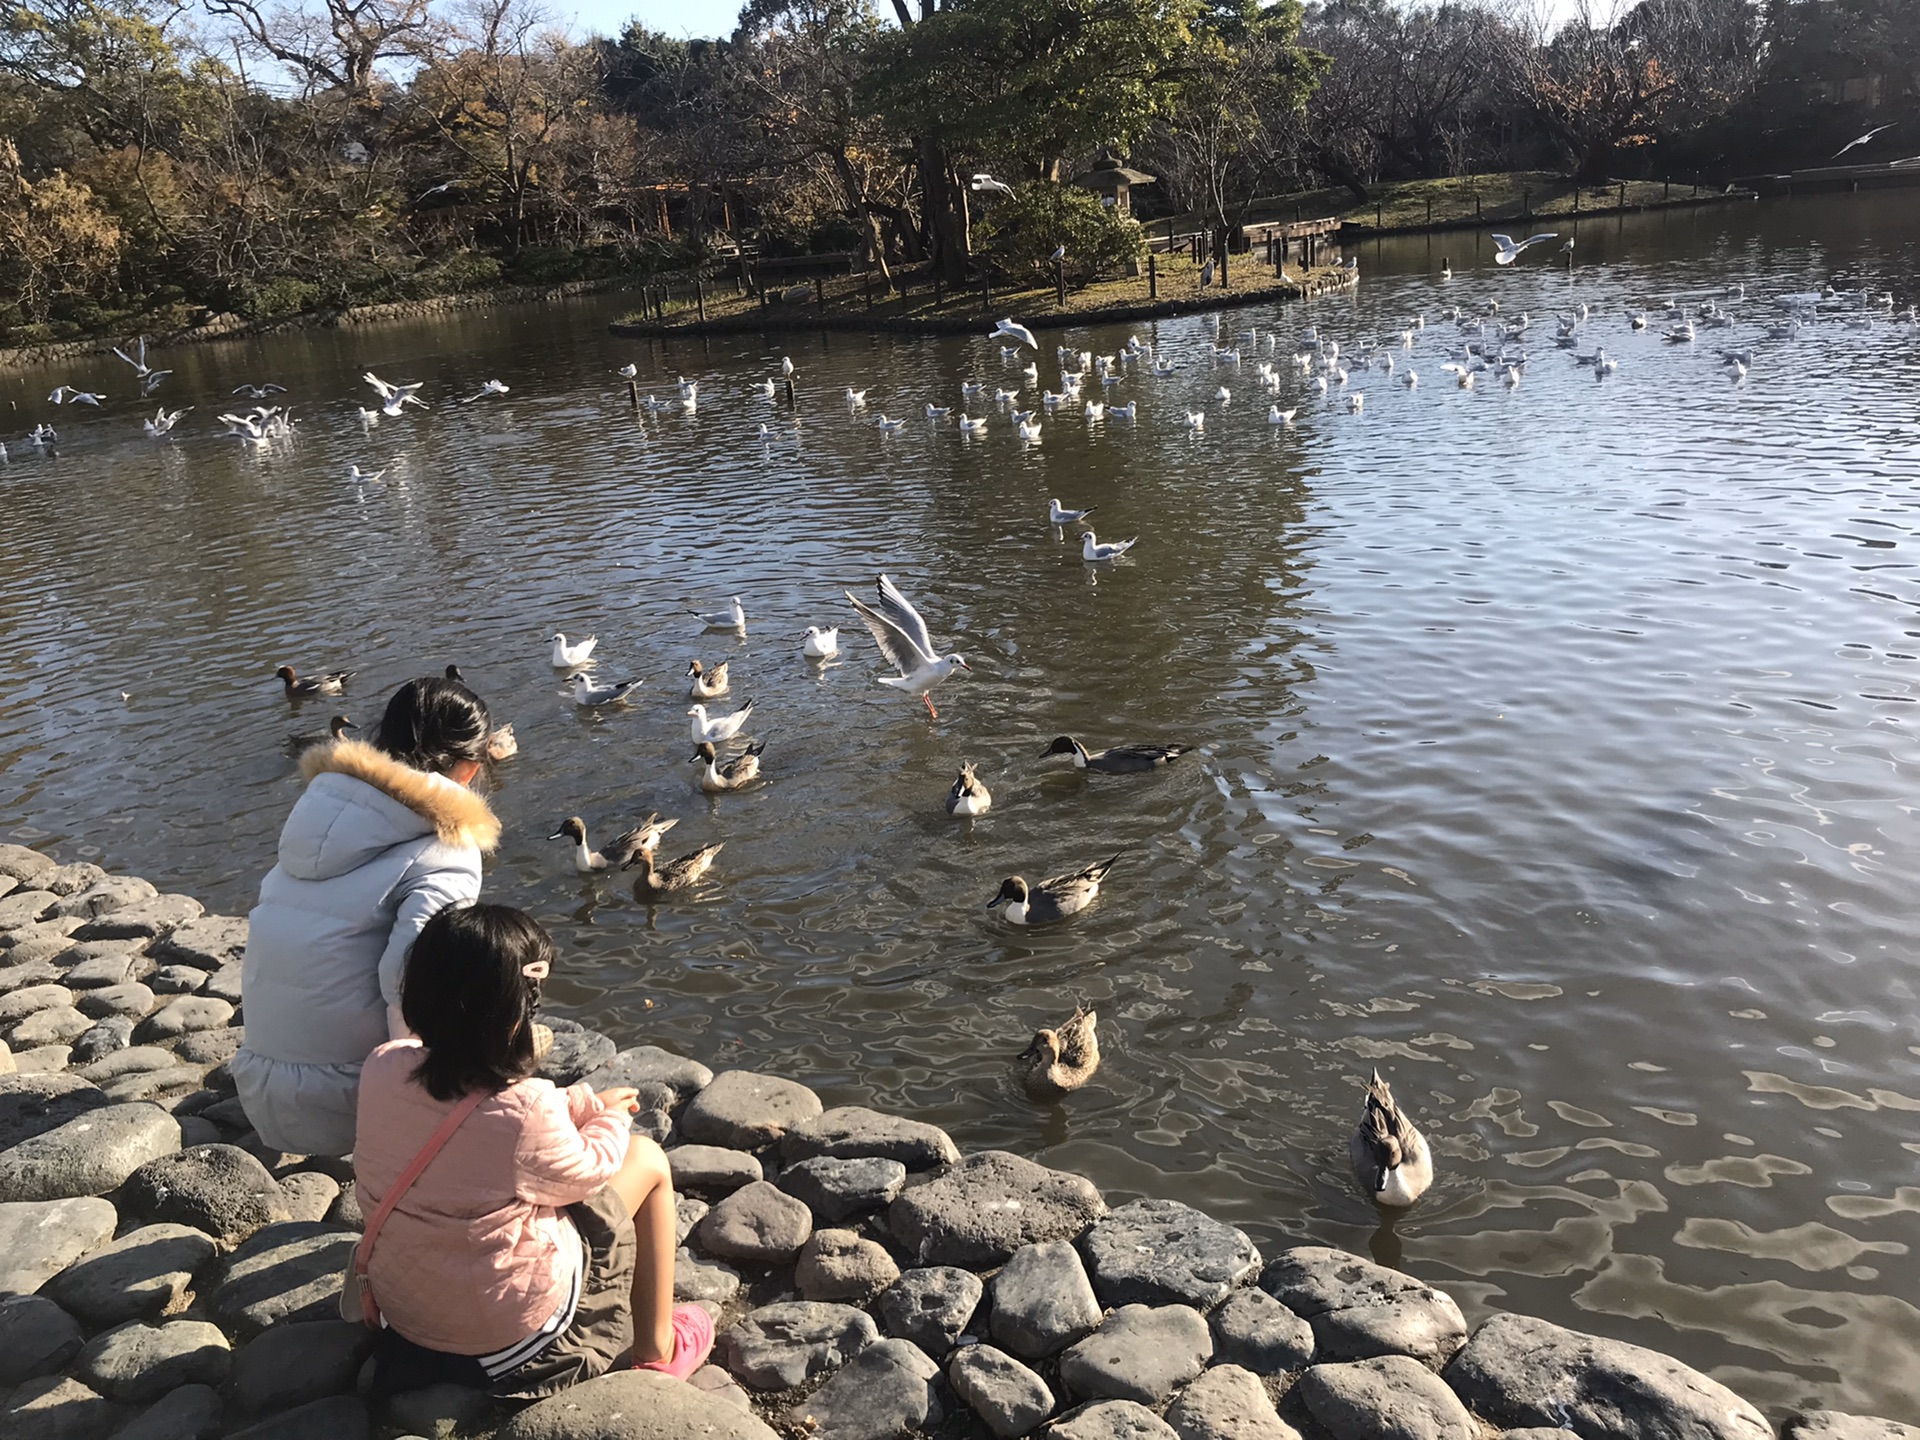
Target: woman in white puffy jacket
x=385, y=836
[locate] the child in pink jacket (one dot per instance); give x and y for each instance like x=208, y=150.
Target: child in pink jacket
x=536, y=1249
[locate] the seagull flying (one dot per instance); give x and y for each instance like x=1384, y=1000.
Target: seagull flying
x=1510, y=251
x=1863, y=139
x=987, y=182
x=1014, y=332
x=903, y=640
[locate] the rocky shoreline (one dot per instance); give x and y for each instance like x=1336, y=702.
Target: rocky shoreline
x=165, y=1276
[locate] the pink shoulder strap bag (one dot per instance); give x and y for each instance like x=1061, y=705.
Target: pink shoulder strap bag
x=356, y=1292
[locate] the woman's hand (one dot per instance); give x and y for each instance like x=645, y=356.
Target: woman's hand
x=621, y=1097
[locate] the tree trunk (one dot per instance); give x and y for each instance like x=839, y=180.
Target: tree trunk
x=869, y=222
x=946, y=213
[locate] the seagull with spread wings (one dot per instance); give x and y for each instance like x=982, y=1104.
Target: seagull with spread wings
x=903, y=639
x=1863, y=139
x=1510, y=249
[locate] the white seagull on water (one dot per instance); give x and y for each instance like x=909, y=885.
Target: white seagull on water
x=733, y=618
x=1092, y=549
x=718, y=731
x=903, y=640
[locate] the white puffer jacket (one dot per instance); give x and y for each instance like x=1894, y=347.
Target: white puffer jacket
x=372, y=850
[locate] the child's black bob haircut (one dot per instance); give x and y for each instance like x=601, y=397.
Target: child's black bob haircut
x=468, y=998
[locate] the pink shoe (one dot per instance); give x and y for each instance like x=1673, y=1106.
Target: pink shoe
x=692, y=1343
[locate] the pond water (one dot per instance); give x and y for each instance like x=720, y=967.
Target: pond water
x=1555, y=745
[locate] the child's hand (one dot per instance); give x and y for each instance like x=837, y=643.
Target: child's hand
x=621, y=1097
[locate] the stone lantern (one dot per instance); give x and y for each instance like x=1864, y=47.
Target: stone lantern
x=1112, y=180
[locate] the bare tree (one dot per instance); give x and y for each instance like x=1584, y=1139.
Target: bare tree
x=342, y=44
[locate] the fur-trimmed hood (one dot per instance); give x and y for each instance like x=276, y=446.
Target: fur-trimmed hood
x=338, y=824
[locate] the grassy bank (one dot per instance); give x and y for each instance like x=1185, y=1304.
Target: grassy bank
x=1508, y=196
x=854, y=302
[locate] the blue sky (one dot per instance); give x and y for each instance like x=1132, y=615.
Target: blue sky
x=675, y=17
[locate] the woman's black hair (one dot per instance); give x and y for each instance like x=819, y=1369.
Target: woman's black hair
x=465, y=994
x=433, y=724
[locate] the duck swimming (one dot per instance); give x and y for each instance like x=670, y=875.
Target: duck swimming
x=1059, y=1061
x=968, y=796
x=675, y=874
x=332, y=683
x=298, y=745
x=736, y=774
x=621, y=851
x=1053, y=899
x=706, y=683
x=501, y=745
x=1390, y=1158
x=1117, y=760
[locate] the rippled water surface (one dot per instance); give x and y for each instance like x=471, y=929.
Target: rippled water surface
x=1555, y=744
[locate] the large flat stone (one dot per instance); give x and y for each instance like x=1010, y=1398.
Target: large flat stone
x=837, y=1189
x=136, y=1277
x=125, y=1062
x=17, y=862
x=137, y=1363
x=220, y=1189
x=143, y=920
x=290, y=1365
x=987, y=1207
x=183, y=1016
x=1008, y=1397
x=210, y=1047
x=57, y=1407
x=206, y=943
x=55, y=1025
x=851, y=1132
x=130, y=1000
x=37, y=1338
x=1255, y=1331
x=1359, y=1309
x=40, y=1239
x=117, y=965
x=41, y=1060
x=190, y=1413
x=840, y=1265
x=883, y=1393
x=284, y=1272
x=1390, y=1397
x=34, y=1104
x=711, y=1169
x=79, y=875
x=1518, y=1371
x=931, y=1307
x=1110, y=1420
x=1838, y=1425
x=757, y=1223
x=649, y=1064
x=33, y=972
x=105, y=895
x=89, y=1155
x=635, y=1405
x=576, y=1051
x=1227, y=1403
x=746, y=1110
x=1043, y=1301
x=23, y=907
x=16, y=1005
x=709, y=1280
x=1142, y=1353
x=1161, y=1252
x=164, y=1086
x=108, y=1035
x=780, y=1346
x=339, y=1417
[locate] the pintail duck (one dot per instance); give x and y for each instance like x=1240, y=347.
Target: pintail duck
x=624, y=849
x=1059, y=1061
x=1390, y=1158
x=675, y=874
x=968, y=796
x=1053, y=899
x=331, y=683
x=736, y=774
x=1118, y=759
x=298, y=745
x=707, y=684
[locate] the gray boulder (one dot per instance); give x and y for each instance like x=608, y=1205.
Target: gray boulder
x=931, y=1307
x=839, y=1265
x=852, y=1132
x=126, y=1062
x=22, y=907
x=747, y=1110
x=101, y=967
x=107, y=1036
x=1518, y=1371
x=89, y=1155
x=780, y=1346
x=37, y=1338
x=1390, y=1397
x=132, y=999
x=645, y=1064
x=291, y=1365
x=341, y=1417
x=836, y=1189
x=1005, y=1394
x=206, y=943
x=137, y=1277
x=55, y=1025
x=165, y=1086
x=1161, y=1252
x=40, y=1239
x=17, y=862
x=220, y=1189
x=16, y=1005
x=1359, y=1309
x=183, y=1016
x=284, y=1272
x=757, y=1223
x=309, y=1194
x=1837, y=1425
x=104, y=895
x=78, y=875
x=34, y=1104
x=711, y=1169
x=635, y=1405
x=1110, y=1420
x=883, y=1393
x=1042, y=1301
x=1256, y=1331
x=177, y=980
x=987, y=1207
x=144, y=920
x=58, y=1407
x=709, y=1280
x=190, y=1413
x=223, y=984
x=1142, y=1353
x=137, y=1363
x=1227, y=1403
x=210, y=1047
x=576, y=1050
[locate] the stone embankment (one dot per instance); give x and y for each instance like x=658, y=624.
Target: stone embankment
x=165, y=1276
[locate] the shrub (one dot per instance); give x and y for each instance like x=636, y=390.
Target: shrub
x=1019, y=233
x=271, y=299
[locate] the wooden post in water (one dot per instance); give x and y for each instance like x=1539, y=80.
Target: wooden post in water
x=1224, y=248
x=936, y=289
x=1623, y=194
x=986, y=293
x=1378, y=211
x=820, y=291
x=700, y=297
x=1526, y=203
x=1429, y=210
x=1060, y=284
x=1576, y=199
x=1153, y=277
x=866, y=286
x=1476, y=204
x=633, y=393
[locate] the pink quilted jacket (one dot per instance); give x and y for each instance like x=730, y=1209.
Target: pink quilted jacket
x=475, y=1256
